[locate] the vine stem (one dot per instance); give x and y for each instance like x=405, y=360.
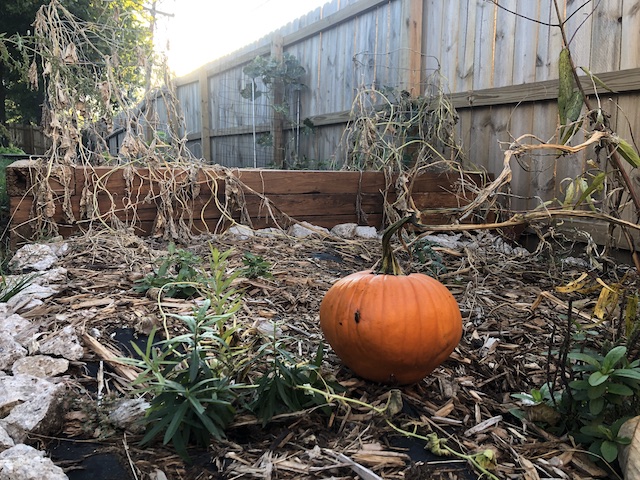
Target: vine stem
x=390, y=265
x=432, y=440
x=610, y=147
x=438, y=447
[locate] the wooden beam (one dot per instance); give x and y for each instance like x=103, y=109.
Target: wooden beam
x=623, y=81
x=205, y=117
x=331, y=21
x=277, y=118
x=620, y=82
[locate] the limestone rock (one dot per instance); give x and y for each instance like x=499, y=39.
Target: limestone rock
x=345, y=230
x=366, y=232
x=30, y=297
x=10, y=351
x=53, y=276
x=41, y=366
x=21, y=329
x=35, y=256
x=34, y=405
x=63, y=343
x=23, y=462
x=305, y=229
x=269, y=232
x=5, y=440
x=240, y=232
x=128, y=413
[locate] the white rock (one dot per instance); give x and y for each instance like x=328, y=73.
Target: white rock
x=23, y=462
x=448, y=241
x=269, y=232
x=575, y=262
x=35, y=406
x=41, y=366
x=240, y=232
x=21, y=329
x=5, y=440
x=128, y=413
x=34, y=256
x=60, y=249
x=366, y=232
x=53, y=276
x=10, y=351
x=63, y=343
x=305, y=229
x=30, y=297
x=344, y=230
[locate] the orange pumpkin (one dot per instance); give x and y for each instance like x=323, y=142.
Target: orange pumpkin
x=389, y=327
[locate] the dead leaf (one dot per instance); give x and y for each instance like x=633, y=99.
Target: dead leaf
x=630, y=454
x=530, y=472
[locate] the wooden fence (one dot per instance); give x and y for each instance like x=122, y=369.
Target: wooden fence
x=29, y=138
x=500, y=59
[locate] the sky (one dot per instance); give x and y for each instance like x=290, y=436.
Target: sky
x=200, y=31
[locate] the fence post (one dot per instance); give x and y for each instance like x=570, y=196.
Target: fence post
x=205, y=116
x=411, y=42
x=277, y=122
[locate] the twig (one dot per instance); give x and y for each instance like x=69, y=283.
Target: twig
x=126, y=450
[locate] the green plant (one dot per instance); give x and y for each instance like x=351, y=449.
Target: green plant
x=606, y=390
x=543, y=396
x=270, y=70
x=427, y=256
x=279, y=388
x=192, y=397
x=255, y=266
x=191, y=377
x=11, y=287
x=603, y=392
x=177, y=274
x=218, y=284
x=604, y=440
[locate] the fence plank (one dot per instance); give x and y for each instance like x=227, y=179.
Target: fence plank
x=578, y=28
x=630, y=34
x=504, y=48
x=524, y=53
x=484, y=43
x=605, y=37
x=467, y=66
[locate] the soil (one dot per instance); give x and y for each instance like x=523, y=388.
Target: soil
x=512, y=320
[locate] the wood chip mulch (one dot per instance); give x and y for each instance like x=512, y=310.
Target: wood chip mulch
x=513, y=318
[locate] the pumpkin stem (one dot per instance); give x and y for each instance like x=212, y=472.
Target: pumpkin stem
x=390, y=265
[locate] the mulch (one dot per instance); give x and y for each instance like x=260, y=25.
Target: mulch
x=514, y=320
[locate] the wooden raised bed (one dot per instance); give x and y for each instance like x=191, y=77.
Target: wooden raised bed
x=324, y=198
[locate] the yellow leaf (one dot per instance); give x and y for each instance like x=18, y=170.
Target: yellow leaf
x=576, y=285
x=608, y=297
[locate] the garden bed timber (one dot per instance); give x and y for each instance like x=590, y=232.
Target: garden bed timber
x=205, y=195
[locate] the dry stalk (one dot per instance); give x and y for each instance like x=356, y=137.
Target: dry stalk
x=403, y=137
x=81, y=87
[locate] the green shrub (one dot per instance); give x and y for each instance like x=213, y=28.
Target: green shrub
x=604, y=391
x=191, y=397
